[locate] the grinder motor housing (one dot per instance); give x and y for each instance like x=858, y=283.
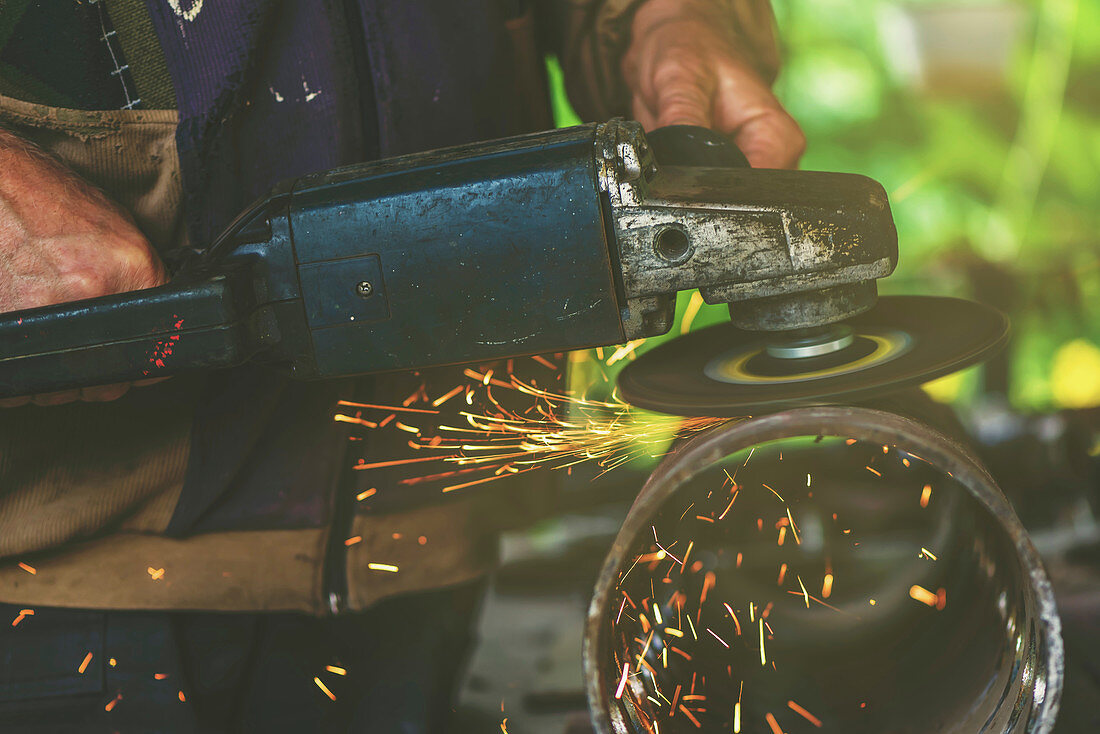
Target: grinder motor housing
x=549, y=242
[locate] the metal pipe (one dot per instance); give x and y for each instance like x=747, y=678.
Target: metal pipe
x=822, y=569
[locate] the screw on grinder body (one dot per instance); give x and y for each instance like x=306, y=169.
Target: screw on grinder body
x=549, y=242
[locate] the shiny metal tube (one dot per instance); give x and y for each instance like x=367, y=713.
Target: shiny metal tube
x=830, y=569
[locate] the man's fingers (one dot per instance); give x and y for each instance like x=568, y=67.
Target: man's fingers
x=683, y=91
x=771, y=140
x=746, y=109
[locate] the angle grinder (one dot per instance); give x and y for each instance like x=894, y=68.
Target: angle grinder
x=549, y=242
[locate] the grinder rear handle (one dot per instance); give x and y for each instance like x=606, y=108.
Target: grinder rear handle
x=473, y=253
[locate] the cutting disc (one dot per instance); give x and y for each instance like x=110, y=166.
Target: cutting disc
x=903, y=340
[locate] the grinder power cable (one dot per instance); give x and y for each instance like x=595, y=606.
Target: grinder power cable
x=563, y=240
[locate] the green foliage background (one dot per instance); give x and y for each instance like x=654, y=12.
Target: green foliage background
x=993, y=169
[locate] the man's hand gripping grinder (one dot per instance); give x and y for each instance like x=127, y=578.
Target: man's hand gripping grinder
x=543, y=243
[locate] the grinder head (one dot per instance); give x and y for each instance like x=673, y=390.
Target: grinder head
x=724, y=370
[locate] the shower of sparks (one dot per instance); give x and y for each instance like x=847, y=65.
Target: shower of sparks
x=688, y=655
x=487, y=441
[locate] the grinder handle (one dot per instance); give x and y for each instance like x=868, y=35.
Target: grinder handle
x=694, y=146
x=190, y=322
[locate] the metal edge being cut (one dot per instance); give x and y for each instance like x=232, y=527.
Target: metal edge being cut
x=1042, y=675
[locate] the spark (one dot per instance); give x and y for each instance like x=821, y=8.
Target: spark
x=782, y=574
x=928, y=554
x=923, y=595
x=324, y=689
x=28, y=568
x=876, y=472
x=736, y=622
x=794, y=527
x=182, y=698
x=775, y=493
x=622, y=681
x=689, y=715
x=827, y=586
x=382, y=567
x=447, y=395
x=805, y=594
x=23, y=614
x=773, y=723
x=156, y=574
x=353, y=540
x=159, y=676
x=390, y=408
x=925, y=495
x=872, y=602
x=804, y=714
x=84, y=663
x=737, y=710
x=763, y=659
x=112, y=703
x=366, y=493
x=724, y=643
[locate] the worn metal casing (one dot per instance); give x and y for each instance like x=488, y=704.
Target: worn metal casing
x=473, y=253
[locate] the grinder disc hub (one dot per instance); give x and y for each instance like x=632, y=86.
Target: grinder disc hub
x=811, y=342
x=903, y=340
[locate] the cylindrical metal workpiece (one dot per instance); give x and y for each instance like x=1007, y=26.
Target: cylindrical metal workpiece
x=832, y=569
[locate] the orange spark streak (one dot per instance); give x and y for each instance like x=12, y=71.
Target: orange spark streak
x=366, y=493
x=391, y=408
x=925, y=495
x=341, y=418
x=804, y=714
x=382, y=567
x=29, y=569
x=773, y=723
x=827, y=586
x=182, y=698
x=353, y=540
x=873, y=471
x=112, y=703
x=735, y=620
x=545, y=362
x=447, y=395
x=84, y=663
x=324, y=688
x=782, y=574
x=159, y=676
x=923, y=595
x=693, y=719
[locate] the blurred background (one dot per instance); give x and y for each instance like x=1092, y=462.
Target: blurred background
x=982, y=121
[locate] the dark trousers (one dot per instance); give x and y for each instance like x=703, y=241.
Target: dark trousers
x=236, y=672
